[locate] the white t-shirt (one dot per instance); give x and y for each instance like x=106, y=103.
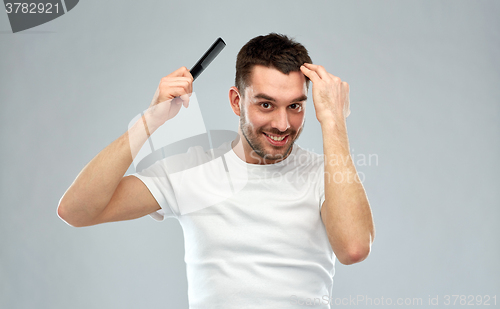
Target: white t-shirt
x=253, y=233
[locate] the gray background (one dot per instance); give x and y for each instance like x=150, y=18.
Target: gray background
x=425, y=96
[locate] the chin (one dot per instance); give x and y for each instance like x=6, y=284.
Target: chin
x=271, y=153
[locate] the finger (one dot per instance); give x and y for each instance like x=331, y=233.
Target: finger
x=185, y=82
x=178, y=83
x=345, y=86
x=170, y=79
x=176, y=101
x=176, y=89
x=185, y=100
x=169, y=82
x=182, y=71
x=313, y=76
x=348, y=108
x=320, y=70
x=190, y=86
x=348, y=101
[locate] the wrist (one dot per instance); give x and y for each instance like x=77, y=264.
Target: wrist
x=149, y=122
x=335, y=126
x=335, y=135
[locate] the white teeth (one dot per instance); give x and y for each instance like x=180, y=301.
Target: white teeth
x=276, y=138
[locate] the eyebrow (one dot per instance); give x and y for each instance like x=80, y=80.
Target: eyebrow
x=269, y=98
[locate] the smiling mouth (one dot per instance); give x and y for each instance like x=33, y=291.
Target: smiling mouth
x=277, y=140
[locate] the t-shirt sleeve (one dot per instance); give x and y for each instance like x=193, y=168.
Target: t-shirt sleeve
x=158, y=183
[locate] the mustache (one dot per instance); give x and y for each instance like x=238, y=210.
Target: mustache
x=278, y=132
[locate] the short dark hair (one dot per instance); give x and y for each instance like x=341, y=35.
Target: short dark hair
x=273, y=51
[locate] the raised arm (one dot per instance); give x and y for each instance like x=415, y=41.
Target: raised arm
x=100, y=193
x=346, y=212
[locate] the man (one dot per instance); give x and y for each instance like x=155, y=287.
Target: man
x=270, y=241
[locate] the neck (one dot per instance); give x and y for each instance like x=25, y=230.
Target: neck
x=245, y=152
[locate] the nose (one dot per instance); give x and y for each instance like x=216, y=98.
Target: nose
x=280, y=120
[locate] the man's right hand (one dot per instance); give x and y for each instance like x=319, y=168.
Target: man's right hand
x=173, y=91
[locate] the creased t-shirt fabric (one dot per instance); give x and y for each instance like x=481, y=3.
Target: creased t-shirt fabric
x=253, y=233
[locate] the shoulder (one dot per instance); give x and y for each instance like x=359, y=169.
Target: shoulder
x=193, y=157
x=301, y=157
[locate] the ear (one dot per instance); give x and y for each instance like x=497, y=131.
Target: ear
x=235, y=100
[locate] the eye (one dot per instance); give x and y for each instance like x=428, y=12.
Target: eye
x=266, y=105
x=295, y=106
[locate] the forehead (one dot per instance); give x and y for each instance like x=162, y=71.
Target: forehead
x=274, y=83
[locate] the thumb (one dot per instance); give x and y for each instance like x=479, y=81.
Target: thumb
x=185, y=100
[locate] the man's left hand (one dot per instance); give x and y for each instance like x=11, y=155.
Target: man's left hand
x=330, y=94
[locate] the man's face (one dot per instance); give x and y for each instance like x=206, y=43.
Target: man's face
x=272, y=114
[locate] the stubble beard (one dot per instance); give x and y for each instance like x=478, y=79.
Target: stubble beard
x=259, y=148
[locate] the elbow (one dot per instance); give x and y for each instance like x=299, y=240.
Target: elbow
x=65, y=215
x=358, y=250
x=355, y=254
